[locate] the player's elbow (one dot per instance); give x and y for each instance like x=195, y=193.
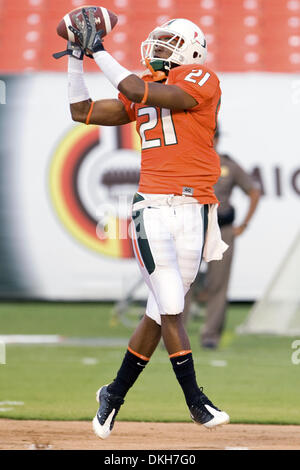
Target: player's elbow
x=75, y=116
x=79, y=111
x=133, y=88
x=135, y=96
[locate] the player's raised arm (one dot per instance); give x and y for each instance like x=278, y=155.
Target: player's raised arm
x=104, y=112
x=129, y=84
x=108, y=112
x=155, y=94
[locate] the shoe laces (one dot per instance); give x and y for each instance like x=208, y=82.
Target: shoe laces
x=114, y=400
x=203, y=399
x=111, y=402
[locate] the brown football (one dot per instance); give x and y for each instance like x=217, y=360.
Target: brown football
x=105, y=20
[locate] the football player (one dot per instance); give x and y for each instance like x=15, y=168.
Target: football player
x=175, y=107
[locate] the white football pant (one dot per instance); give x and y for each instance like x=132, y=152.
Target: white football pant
x=168, y=238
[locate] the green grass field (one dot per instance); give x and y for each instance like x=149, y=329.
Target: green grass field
x=251, y=377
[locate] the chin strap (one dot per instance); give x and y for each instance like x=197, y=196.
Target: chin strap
x=157, y=75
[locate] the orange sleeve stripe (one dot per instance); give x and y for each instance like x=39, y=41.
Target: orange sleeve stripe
x=138, y=355
x=90, y=113
x=145, y=97
x=180, y=353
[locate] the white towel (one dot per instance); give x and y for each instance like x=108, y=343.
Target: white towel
x=214, y=246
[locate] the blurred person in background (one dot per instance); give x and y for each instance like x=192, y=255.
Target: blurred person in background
x=211, y=287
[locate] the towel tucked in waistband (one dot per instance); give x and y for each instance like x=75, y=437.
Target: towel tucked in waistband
x=214, y=247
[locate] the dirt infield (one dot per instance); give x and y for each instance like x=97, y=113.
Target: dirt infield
x=71, y=435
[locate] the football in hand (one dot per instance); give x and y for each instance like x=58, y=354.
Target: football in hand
x=104, y=19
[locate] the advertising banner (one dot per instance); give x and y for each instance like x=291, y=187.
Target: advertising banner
x=63, y=183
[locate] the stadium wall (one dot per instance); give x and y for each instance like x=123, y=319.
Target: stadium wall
x=62, y=182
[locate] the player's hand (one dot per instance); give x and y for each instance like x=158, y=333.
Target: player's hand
x=72, y=49
x=86, y=32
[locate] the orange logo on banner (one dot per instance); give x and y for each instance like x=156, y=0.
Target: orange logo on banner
x=92, y=168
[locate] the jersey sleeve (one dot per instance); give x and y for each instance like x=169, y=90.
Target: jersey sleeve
x=199, y=82
x=129, y=106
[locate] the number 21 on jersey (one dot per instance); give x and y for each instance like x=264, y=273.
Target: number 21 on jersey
x=168, y=129
x=194, y=75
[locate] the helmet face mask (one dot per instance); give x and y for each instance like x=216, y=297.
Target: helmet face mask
x=169, y=45
x=180, y=40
